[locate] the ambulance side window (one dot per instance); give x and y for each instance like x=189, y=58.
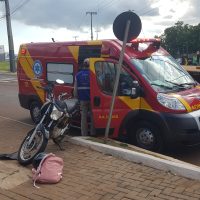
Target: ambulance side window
x=106, y=75
x=125, y=84
x=61, y=71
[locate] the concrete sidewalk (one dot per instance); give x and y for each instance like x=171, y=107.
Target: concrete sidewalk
x=91, y=175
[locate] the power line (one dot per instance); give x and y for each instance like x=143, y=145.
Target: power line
x=108, y=4
x=99, y=7
x=19, y=6
x=144, y=10
x=15, y=9
x=149, y=11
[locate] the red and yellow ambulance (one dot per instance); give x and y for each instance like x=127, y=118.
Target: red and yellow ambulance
x=157, y=101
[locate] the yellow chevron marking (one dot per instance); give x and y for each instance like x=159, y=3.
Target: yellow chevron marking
x=27, y=62
x=136, y=103
x=198, y=86
x=92, y=61
x=94, y=42
x=145, y=105
x=40, y=92
x=131, y=103
x=185, y=103
x=74, y=51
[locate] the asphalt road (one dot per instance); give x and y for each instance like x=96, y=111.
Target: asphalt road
x=9, y=102
x=15, y=122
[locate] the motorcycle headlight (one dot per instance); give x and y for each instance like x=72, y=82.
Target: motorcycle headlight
x=170, y=102
x=56, y=114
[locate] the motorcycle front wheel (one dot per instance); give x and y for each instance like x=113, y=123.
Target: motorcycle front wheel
x=27, y=152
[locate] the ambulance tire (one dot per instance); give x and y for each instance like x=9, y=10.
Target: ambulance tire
x=35, y=112
x=147, y=136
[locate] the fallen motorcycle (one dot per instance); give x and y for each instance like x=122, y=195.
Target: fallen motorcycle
x=56, y=115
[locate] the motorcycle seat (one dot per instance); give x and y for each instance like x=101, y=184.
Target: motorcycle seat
x=60, y=105
x=71, y=104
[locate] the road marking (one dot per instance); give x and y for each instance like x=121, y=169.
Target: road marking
x=6, y=80
x=7, y=118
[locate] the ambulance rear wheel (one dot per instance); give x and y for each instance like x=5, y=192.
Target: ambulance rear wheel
x=147, y=136
x=35, y=112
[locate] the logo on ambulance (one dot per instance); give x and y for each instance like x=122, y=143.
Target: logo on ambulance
x=37, y=68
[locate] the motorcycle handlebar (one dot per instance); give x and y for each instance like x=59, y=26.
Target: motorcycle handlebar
x=63, y=96
x=47, y=88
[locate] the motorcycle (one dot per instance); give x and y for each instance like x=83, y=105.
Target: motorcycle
x=56, y=115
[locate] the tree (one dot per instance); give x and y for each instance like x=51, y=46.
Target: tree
x=181, y=39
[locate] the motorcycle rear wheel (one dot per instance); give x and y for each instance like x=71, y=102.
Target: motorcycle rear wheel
x=27, y=152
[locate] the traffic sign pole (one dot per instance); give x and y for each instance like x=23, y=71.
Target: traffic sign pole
x=117, y=78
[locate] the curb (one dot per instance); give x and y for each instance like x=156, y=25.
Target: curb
x=173, y=166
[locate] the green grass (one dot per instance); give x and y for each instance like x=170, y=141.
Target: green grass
x=4, y=66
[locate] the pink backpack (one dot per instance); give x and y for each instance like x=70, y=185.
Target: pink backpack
x=49, y=170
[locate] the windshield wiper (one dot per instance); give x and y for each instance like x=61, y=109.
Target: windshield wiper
x=182, y=84
x=194, y=84
x=162, y=85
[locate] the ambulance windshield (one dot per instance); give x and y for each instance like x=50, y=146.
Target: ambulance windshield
x=163, y=73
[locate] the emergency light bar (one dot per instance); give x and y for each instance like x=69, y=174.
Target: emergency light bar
x=150, y=44
x=144, y=40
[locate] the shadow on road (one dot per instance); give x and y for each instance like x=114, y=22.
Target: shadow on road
x=186, y=153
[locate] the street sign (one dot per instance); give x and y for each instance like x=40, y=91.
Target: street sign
x=120, y=22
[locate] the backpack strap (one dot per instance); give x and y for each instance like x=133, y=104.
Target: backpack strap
x=35, y=177
x=45, y=157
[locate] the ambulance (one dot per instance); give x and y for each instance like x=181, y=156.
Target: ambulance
x=157, y=102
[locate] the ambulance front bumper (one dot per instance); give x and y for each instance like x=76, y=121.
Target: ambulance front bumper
x=183, y=128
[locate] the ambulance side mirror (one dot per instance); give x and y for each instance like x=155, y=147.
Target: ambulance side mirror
x=136, y=90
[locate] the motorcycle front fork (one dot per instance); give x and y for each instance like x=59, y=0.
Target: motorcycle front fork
x=40, y=127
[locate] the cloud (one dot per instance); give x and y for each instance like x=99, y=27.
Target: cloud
x=39, y=20
x=192, y=16
x=72, y=14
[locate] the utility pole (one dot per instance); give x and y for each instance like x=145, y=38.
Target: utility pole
x=97, y=31
x=10, y=37
x=75, y=37
x=91, y=13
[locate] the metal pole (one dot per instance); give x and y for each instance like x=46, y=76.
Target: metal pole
x=10, y=37
x=117, y=79
x=75, y=37
x=91, y=27
x=91, y=13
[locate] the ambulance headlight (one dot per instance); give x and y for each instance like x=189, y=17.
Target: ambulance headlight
x=170, y=102
x=56, y=114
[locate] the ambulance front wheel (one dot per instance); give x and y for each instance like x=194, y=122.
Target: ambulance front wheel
x=35, y=112
x=147, y=136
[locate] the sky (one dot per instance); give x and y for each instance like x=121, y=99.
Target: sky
x=65, y=20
